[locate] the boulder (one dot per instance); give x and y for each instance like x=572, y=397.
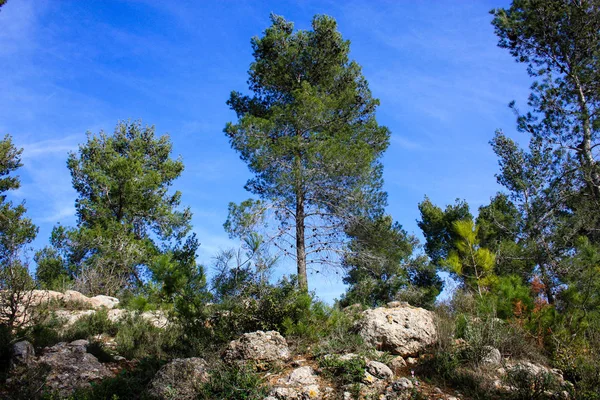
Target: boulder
x=402, y=330
x=40, y=297
x=104, y=301
x=72, y=296
x=379, y=370
x=179, y=379
x=70, y=368
x=259, y=347
x=96, y=302
x=22, y=353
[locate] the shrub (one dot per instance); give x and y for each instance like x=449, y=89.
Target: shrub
x=45, y=333
x=344, y=371
x=91, y=325
x=529, y=386
x=233, y=383
x=129, y=384
x=138, y=338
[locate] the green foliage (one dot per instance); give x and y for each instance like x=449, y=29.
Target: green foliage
x=16, y=232
x=344, y=371
x=128, y=384
x=329, y=327
x=90, y=325
x=138, y=302
x=309, y=135
x=380, y=264
x=468, y=260
x=260, y=307
x=234, y=382
x=51, y=272
x=507, y=295
x=45, y=333
x=500, y=223
x=530, y=386
x=129, y=221
x=137, y=338
x=437, y=227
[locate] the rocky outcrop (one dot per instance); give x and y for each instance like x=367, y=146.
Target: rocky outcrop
x=156, y=318
x=179, y=379
x=258, y=347
x=71, y=367
x=41, y=297
x=402, y=330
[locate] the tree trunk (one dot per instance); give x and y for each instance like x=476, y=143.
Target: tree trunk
x=300, y=243
x=586, y=158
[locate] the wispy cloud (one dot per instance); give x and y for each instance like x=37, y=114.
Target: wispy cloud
x=59, y=147
x=406, y=143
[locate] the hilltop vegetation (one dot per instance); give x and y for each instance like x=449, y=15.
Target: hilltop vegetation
x=524, y=321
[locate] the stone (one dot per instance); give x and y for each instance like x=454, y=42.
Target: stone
x=379, y=370
x=40, y=297
x=403, y=330
x=79, y=346
x=259, y=347
x=179, y=379
x=491, y=356
x=398, y=363
x=22, y=353
x=402, y=385
x=300, y=384
x=411, y=361
x=104, y=301
x=311, y=392
x=157, y=318
x=71, y=369
x=283, y=393
x=369, y=379
x=73, y=296
x=302, y=376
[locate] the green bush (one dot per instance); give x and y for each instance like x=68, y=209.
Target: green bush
x=343, y=371
x=529, y=386
x=136, y=337
x=45, y=333
x=234, y=383
x=129, y=384
x=259, y=306
x=138, y=302
x=91, y=325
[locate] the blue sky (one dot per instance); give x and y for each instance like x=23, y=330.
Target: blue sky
x=73, y=66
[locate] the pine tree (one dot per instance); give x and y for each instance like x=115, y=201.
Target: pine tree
x=308, y=133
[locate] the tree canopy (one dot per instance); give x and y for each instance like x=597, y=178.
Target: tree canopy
x=308, y=133
x=129, y=222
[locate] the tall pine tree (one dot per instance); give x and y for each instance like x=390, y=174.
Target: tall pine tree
x=308, y=133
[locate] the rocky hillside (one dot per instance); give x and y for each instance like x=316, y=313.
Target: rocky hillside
x=395, y=355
